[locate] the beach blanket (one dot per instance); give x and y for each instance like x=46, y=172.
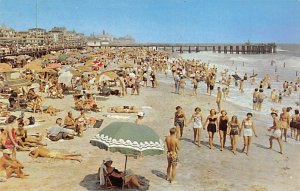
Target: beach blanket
x=117, y=116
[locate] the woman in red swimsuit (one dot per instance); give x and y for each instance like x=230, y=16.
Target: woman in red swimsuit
x=11, y=142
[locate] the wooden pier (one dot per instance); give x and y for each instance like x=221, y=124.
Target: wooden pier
x=247, y=48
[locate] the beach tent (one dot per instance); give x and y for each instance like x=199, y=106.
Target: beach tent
x=66, y=78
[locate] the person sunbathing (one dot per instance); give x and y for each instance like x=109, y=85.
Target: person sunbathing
x=90, y=105
x=52, y=111
x=122, y=109
x=25, y=140
x=44, y=152
x=9, y=165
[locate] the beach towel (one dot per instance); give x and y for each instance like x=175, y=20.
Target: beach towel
x=117, y=116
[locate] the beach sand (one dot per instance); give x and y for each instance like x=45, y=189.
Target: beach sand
x=199, y=169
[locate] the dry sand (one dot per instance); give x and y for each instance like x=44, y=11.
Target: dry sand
x=199, y=168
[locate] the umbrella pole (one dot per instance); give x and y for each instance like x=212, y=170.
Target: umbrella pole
x=124, y=173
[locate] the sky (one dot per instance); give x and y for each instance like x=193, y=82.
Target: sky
x=163, y=21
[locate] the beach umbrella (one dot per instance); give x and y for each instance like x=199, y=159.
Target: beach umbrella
x=23, y=57
x=66, y=78
x=83, y=68
x=33, y=65
x=17, y=82
x=53, y=57
x=129, y=139
x=53, y=66
x=62, y=57
x=10, y=57
x=106, y=76
x=5, y=66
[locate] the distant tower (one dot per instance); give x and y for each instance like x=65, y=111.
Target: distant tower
x=103, y=32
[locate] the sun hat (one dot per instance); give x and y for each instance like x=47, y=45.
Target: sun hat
x=107, y=160
x=140, y=114
x=7, y=151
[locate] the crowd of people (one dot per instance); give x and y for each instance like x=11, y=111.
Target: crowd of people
x=120, y=72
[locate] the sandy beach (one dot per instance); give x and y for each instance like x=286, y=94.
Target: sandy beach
x=199, y=169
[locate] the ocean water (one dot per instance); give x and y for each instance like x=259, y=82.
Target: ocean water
x=259, y=64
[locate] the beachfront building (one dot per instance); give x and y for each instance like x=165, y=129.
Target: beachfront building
x=7, y=34
x=106, y=39
x=36, y=36
x=56, y=35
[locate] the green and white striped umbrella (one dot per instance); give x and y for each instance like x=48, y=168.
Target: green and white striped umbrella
x=129, y=139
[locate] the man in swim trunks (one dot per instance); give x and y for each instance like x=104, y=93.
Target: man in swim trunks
x=254, y=96
x=173, y=146
x=276, y=132
x=43, y=152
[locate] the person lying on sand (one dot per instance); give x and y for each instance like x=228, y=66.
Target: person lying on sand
x=52, y=111
x=57, y=132
x=122, y=109
x=9, y=165
x=44, y=152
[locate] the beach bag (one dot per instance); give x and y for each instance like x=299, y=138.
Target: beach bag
x=31, y=120
x=98, y=123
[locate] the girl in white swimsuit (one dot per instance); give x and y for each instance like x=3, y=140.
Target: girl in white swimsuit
x=248, y=130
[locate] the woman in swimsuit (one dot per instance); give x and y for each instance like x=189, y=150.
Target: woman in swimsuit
x=248, y=129
x=223, y=123
x=234, y=131
x=212, y=126
x=293, y=123
x=118, y=178
x=276, y=132
x=197, y=124
x=11, y=141
x=284, y=122
x=179, y=120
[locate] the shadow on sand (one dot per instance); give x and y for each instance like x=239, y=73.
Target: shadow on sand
x=159, y=174
x=89, y=183
x=260, y=146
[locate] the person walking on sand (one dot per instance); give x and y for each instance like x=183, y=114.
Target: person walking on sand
x=234, y=130
x=11, y=139
x=242, y=86
x=176, y=80
x=293, y=123
x=212, y=126
x=195, y=86
x=254, y=98
x=223, y=124
x=276, y=132
x=179, y=120
x=219, y=98
x=248, y=129
x=284, y=122
x=182, y=84
x=173, y=147
x=197, y=125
